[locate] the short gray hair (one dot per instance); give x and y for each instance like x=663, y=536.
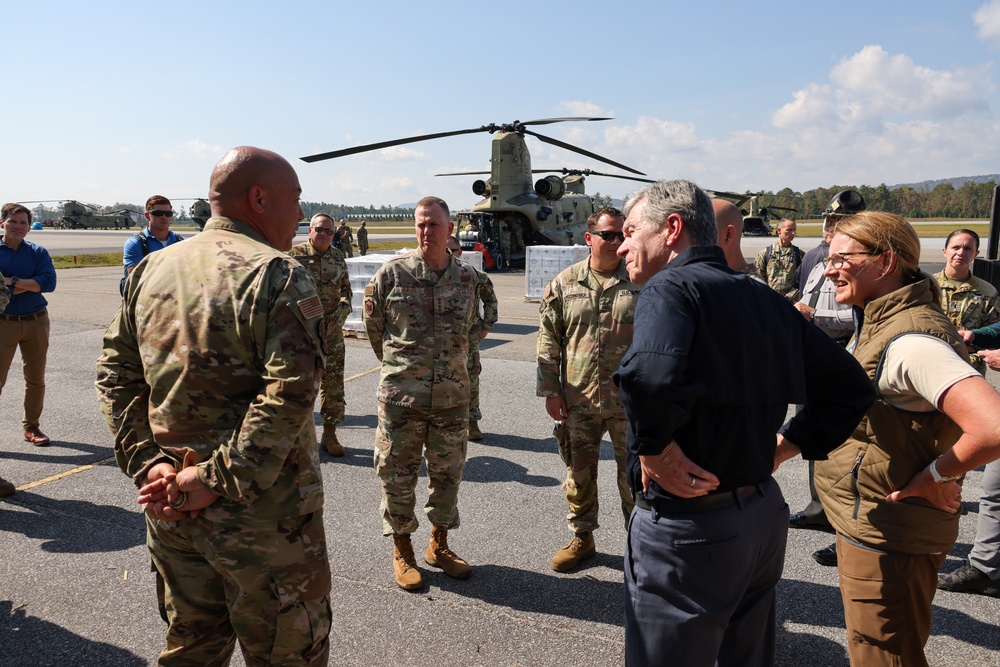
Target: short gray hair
x=684, y=198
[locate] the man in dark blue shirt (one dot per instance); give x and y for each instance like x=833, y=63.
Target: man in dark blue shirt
x=28, y=272
x=715, y=360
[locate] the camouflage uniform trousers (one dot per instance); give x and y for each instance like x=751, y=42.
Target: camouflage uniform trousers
x=441, y=436
x=475, y=368
x=331, y=388
x=579, y=441
x=266, y=583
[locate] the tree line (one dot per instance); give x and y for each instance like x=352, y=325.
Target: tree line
x=971, y=200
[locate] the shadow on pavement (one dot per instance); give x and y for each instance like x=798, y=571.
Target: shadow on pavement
x=31, y=641
x=73, y=526
x=494, y=469
x=576, y=598
x=85, y=454
x=816, y=604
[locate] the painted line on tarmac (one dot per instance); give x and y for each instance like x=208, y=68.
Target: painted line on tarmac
x=363, y=373
x=54, y=478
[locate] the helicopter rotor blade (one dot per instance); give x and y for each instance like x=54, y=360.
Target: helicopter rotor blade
x=547, y=121
x=575, y=149
x=465, y=173
x=590, y=172
x=395, y=142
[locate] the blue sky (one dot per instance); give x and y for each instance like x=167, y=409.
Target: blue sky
x=114, y=101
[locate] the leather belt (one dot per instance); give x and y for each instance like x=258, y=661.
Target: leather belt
x=24, y=318
x=713, y=501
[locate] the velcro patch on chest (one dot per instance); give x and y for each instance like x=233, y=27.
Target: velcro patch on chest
x=311, y=307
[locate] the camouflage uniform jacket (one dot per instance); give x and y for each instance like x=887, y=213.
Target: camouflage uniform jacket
x=583, y=335
x=969, y=304
x=418, y=325
x=4, y=295
x=214, y=360
x=779, y=269
x=333, y=284
x=485, y=294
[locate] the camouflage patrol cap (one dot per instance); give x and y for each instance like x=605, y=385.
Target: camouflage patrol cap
x=845, y=202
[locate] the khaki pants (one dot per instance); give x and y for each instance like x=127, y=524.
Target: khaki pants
x=32, y=336
x=887, y=604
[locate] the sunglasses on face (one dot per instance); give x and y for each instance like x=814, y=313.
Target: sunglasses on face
x=160, y=214
x=323, y=230
x=611, y=236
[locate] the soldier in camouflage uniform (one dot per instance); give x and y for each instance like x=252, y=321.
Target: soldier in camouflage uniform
x=419, y=310
x=586, y=326
x=363, y=238
x=968, y=301
x=777, y=263
x=328, y=269
x=729, y=221
x=485, y=295
x=346, y=238
x=208, y=380
x=6, y=488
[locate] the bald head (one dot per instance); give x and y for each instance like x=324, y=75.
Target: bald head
x=730, y=223
x=260, y=188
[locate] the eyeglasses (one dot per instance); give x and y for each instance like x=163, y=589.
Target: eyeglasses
x=324, y=230
x=611, y=236
x=160, y=214
x=837, y=261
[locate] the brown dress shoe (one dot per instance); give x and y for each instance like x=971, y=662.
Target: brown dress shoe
x=33, y=435
x=6, y=488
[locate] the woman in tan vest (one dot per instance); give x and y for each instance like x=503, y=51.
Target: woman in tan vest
x=892, y=490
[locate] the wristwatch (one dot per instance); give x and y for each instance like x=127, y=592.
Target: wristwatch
x=13, y=280
x=938, y=477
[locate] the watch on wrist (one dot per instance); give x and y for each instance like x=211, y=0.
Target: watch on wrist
x=14, y=280
x=938, y=477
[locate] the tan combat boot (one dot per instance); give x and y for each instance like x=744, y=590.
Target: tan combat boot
x=404, y=564
x=474, y=432
x=439, y=555
x=579, y=549
x=330, y=442
x=6, y=488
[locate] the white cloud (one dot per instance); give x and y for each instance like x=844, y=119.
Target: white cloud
x=877, y=118
x=574, y=108
x=398, y=154
x=193, y=148
x=987, y=18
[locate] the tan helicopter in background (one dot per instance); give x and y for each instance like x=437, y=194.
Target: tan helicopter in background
x=515, y=210
x=77, y=215
x=756, y=218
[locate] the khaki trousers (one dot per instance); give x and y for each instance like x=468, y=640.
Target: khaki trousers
x=887, y=604
x=32, y=336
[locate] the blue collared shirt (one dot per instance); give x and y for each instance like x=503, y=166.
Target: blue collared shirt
x=28, y=261
x=132, y=252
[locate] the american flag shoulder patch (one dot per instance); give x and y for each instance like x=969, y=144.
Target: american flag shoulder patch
x=311, y=307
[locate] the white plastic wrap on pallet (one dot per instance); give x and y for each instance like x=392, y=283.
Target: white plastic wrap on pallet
x=360, y=270
x=545, y=262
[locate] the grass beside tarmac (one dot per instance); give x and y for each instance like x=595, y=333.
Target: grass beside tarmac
x=115, y=258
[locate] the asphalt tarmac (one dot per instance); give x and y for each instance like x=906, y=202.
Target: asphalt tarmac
x=75, y=586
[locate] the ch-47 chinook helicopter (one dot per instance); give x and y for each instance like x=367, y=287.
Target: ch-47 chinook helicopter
x=550, y=211
x=76, y=215
x=200, y=211
x=756, y=218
